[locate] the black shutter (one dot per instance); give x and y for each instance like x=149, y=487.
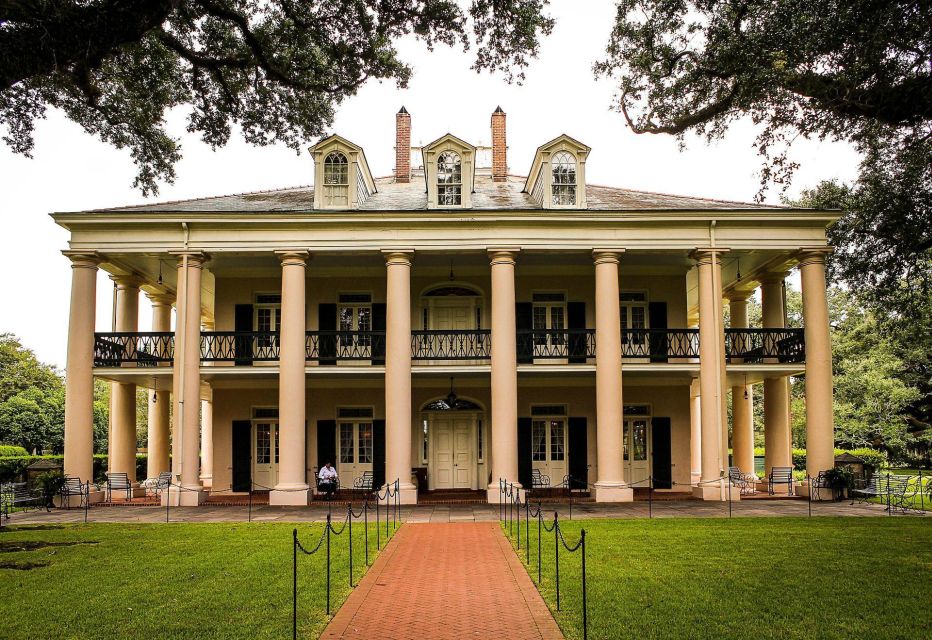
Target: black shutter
x=661, y=463
x=576, y=320
x=378, y=453
x=657, y=312
x=327, y=339
x=524, y=312
x=326, y=444
x=242, y=344
x=579, y=452
x=378, y=327
x=524, y=452
x=242, y=458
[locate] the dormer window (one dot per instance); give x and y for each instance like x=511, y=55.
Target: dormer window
x=563, y=182
x=336, y=180
x=557, y=179
x=449, y=179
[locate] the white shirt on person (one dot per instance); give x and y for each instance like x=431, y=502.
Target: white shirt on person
x=327, y=474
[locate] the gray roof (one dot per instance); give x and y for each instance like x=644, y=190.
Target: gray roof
x=395, y=196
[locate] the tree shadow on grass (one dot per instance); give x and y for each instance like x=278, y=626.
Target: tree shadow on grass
x=22, y=566
x=11, y=546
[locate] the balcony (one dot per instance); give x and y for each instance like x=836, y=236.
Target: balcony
x=575, y=346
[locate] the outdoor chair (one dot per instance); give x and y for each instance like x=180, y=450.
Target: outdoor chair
x=74, y=487
x=19, y=495
x=363, y=483
x=744, y=481
x=893, y=491
x=117, y=481
x=163, y=482
x=780, y=475
x=539, y=480
x=820, y=483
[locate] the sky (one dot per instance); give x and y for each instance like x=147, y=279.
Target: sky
x=72, y=170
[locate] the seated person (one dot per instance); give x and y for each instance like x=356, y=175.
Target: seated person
x=327, y=480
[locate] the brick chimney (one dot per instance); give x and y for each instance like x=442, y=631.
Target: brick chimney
x=403, y=146
x=499, y=148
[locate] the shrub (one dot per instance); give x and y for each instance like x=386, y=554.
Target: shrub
x=799, y=459
x=12, y=468
x=50, y=484
x=12, y=450
x=871, y=457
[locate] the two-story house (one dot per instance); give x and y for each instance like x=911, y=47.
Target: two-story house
x=452, y=324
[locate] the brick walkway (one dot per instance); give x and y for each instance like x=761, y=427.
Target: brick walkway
x=445, y=581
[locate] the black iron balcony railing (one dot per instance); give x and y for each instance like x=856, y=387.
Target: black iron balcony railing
x=659, y=345
x=748, y=346
x=142, y=349
x=453, y=344
x=239, y=346
x=328, y=347
x=575, y=345
x=755, y=346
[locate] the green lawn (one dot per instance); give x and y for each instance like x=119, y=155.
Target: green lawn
x=168, y=581
x=745, y=578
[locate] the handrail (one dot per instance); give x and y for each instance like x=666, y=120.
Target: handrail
x=755, y=346
x=451, y=344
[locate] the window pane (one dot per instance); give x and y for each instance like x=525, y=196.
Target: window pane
x=263, y=443
x=365, y=318
x=638, y=318
x=263, y=319
x=335, y=169
x=540, y=317
x=556, y=440
x=627, y=434
x=346, y=443
x=640, y=440
x=346, y=318
x=276, y=444
x=539, y=440
x=365, y=443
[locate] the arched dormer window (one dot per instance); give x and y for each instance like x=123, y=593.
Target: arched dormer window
x=563, y=183
x=336, y=180
x=449, y=179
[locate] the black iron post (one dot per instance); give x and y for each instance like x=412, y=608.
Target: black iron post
x=922, y=501
x=728, y=489
x=328, y=564
x=294, y=584
x=540, y=519
x=365, y=520
x=378, y=528
x=527, y=532
x=168, y=500
x=349, y=518
x=650, y=497
x=249, y=516
x=585, y=608
x=809, y=482
x=556, y=553
x=87, y=497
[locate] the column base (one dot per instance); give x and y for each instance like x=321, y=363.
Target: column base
x=495, y=496
x=407, y=494
x=612, y=493
x=716, y=493
x=290, y=496
x=818, y=495
x=187, y=497
x=73, y=502
x=207, y=481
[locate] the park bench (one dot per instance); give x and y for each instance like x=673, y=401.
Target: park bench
x=780, y=475
x=893, y=490
x=744, y=481
x=539, y=480
x=74, y=487
x=18, y=494
x=363, y=483
x=117, y=481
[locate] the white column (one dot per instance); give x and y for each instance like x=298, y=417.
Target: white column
x=159, y=398
x=742, y=398
x=711, y=365
x=777, y=433
x=207, y=438
x=79, y=369
x=292, y=487
x=504, y=378
x=695, y=433
x=820, y=427
x=186, y=441
x=398, y=372
x=123, y=421
x=610, y=485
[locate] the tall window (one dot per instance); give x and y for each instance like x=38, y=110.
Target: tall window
x=268, y=320
x=449, y=179
x=563, y=183
x=355, y=317
x=336, y=180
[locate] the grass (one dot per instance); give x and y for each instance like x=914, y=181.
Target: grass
x=212, y=581
x=746, y=578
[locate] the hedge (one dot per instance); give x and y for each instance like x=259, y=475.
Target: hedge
x=12, y=450
x=13, y=468
x=871, y=457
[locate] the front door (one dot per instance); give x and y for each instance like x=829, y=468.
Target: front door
x=242, y=455
x=637, y=451
x=355, y=443
x=453, y=458
x=265, y=454
x=548, y=448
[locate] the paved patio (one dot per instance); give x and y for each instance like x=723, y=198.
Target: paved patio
x=456, y=513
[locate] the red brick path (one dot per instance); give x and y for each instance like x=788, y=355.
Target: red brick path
x=445, y=581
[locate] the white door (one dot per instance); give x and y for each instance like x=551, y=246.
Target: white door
x=354, y=451
x=457, y=314
x=549, y=324
x=634, y=334
x=637, y=451
x=453, y=460
x=265, y=455
x=354, y=342
x=548, y=448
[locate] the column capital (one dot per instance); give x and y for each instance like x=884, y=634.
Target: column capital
x=600, y=256
x=160, y=299
x=773, y=277
x=502, y=255
x=736, y=296
x=813, y=255
x=293, y=257
x=196, y=259
x=398, y=256
x=83, y=259
x=707, y=254
x=126, y=280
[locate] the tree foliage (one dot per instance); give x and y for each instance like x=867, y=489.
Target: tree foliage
x=275, y=69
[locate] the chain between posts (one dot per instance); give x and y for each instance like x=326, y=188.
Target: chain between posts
x=390, y=494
